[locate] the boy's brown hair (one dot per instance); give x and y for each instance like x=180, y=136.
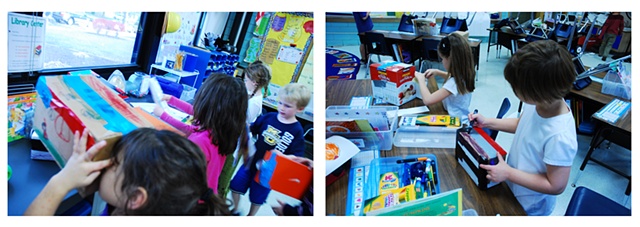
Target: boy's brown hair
x=296, y=92
x=541, y=71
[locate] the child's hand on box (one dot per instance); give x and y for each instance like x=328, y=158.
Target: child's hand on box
x=158, y=110
x=420, y=78
x=433, y=72
x=80, y=171
x=498, y=172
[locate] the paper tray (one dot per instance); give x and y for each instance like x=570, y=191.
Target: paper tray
x=425, y=137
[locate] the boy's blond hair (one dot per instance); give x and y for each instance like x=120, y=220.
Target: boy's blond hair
x=295, y=92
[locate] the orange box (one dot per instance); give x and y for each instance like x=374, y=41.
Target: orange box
x=393, y=82
x=284, y=175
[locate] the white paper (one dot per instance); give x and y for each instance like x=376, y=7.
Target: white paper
x=346, y=150
x=26, y=42
x=175, y=113
x=290, y=54
x=407, y=111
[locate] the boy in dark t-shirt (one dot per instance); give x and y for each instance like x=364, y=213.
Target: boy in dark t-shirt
x=278, y=131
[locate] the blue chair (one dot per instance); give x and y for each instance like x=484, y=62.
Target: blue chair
x=377, y=44
x=406, y=23
x=506, y=105
x=429, y=52
x=585, y=202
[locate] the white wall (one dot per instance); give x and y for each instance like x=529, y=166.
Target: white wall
x=214, y=22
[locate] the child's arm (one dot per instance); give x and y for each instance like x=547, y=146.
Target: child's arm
x=429, y=98
x=79, y=171
x=180, y=105
x=553, y=182
x=184, y=128
x=505, y=124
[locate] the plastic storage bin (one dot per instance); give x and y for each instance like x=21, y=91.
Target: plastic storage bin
x=380, y=166
x=617, y=84
x=188, y=93
x=382, y=118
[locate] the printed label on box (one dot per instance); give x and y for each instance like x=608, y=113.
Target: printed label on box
x=393, y=82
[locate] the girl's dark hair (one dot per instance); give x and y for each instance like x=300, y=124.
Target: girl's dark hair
x=541, y=71
x=260, y=73
x=456, y=48
x=172, y=170
x=220, y=107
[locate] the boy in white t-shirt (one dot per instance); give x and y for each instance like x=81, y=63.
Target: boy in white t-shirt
x=539, y=162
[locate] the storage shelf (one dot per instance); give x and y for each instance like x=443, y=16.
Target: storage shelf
x=180, y=74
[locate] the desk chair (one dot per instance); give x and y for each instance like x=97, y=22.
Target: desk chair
x=429, y=52
x=376, y=44
x=506, y=105
x=585, y=202
x=406, y=23
x=504, y=40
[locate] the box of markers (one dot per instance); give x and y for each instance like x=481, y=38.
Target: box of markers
x=391, y=181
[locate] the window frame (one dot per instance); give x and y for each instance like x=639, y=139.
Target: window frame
x=144, y=50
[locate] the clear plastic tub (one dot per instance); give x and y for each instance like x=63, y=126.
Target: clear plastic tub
x=380, y=166
x=187, y=93
x=616, y=85
x=381, y=118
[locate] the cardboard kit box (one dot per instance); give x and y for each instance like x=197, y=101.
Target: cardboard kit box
x=66, y=103
x=393, y=82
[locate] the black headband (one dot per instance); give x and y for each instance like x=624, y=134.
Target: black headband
x=206, y=196
x=445, y=46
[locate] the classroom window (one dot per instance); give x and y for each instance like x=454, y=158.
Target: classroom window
x=89, y=39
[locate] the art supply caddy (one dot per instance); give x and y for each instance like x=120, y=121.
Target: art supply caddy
x=376, y=182
x=391, y=181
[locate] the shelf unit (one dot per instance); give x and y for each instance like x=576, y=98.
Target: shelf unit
x=180, y=74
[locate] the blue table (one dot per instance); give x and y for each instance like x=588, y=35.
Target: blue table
x=341, y=65
x=28, y=179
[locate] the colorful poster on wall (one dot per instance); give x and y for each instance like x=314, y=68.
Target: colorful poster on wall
x=170, y=43
x=262, y=21
x=286, y=45
x=26, y=42
x=252, y=51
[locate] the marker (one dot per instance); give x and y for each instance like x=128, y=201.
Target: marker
x=471, y=123
x=413, y=160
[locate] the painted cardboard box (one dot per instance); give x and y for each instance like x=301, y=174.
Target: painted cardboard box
x=392, y=82
x=65, y=104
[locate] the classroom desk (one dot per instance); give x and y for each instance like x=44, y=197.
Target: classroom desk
x=396, y=38
x=618, y=133
x=414, y=41
x=496, y=200
x=506, y=38
x=473, y=43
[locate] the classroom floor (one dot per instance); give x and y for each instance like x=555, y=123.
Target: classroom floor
x=494, y=88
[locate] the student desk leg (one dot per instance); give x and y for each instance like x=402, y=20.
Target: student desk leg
x=613, y=134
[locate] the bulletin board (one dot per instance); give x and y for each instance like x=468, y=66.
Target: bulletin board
x=286, y=45
x=170, y=42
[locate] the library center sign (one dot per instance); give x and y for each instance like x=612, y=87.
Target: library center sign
x=26, y=41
